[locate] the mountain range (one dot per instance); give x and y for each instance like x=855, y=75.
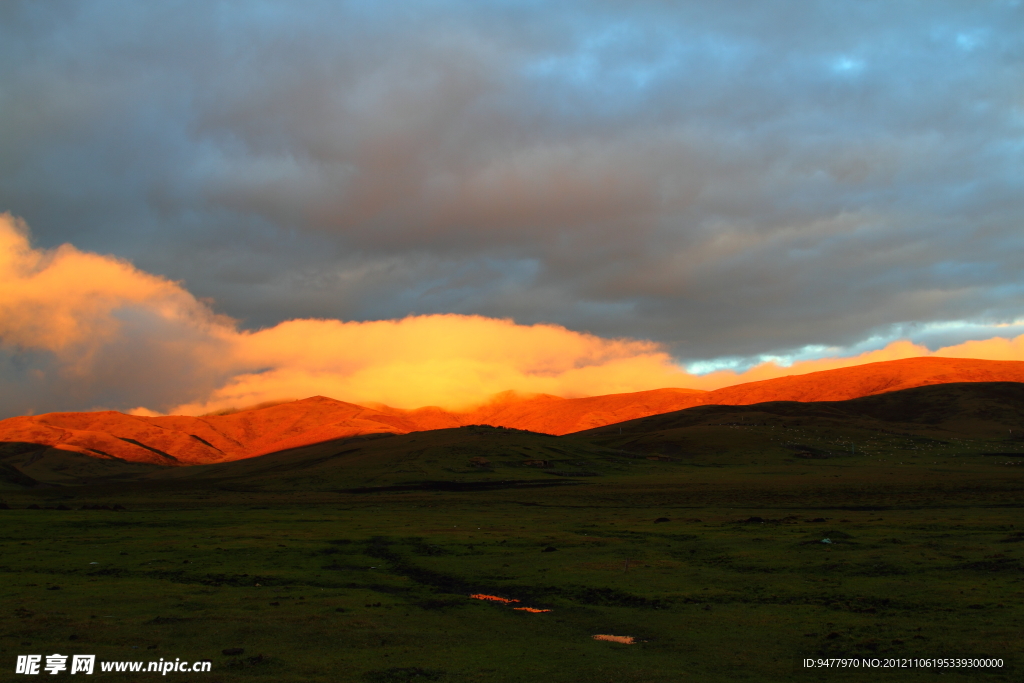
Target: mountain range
x=185, y=440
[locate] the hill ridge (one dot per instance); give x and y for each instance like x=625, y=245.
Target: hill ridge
x=281, y=426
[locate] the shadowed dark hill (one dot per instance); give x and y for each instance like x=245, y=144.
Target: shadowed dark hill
x=966, y=409
x=30, y=465
x=477, y=457
x=949, y=417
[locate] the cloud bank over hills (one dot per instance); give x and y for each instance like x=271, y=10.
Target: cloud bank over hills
x=81, y=331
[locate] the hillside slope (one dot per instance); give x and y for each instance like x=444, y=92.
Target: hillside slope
x=184, y=440
x=868, y=380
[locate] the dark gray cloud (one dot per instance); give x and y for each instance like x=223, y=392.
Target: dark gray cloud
x=732, y=179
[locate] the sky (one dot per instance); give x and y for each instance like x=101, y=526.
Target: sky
x=212, y=204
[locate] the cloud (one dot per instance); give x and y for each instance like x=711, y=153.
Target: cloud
x=771, y=369
x=97, y=331
x=996, y=348
x=81, y=330
x=64, y=300
x=723, y=182
x=449, y=360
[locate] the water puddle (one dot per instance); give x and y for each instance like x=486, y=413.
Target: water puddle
x=506, y=601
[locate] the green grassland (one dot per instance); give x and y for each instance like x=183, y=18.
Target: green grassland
x=698, y=533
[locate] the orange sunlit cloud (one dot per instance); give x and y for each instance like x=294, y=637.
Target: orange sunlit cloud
x=64, y=299
x=104, y=327
x=448, y=360
x=996, y=348
x=98, y=315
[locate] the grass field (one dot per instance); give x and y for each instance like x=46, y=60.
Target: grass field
x=713, y=560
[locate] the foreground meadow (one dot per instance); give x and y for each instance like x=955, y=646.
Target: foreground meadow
x=719, y=573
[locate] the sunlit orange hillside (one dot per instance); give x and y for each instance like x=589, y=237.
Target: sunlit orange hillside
x=556, y=415
x=868, y=379
x=183, y=440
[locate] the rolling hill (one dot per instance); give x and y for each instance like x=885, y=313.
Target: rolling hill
x=954, y=423
x=970, y=421
x=185, y=440
x=942, y=420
